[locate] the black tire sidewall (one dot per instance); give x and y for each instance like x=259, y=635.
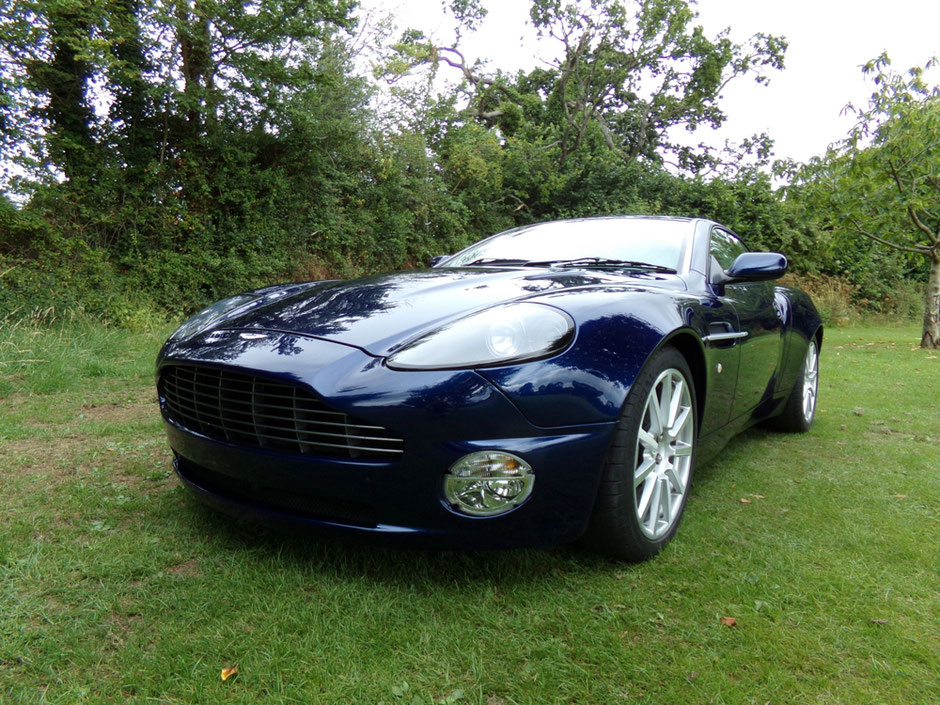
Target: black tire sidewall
x=615, y=527
x=792, y=419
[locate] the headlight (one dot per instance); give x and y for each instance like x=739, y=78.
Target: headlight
x=498, y=335
x=205, y=318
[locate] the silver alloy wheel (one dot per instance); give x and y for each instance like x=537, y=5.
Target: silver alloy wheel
x=663, y=454
x=810, y=381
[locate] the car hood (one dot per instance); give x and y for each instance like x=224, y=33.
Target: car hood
x=379, y=313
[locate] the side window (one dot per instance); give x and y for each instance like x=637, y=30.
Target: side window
x=724, y=248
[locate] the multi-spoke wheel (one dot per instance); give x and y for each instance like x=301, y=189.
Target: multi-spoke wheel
x=810, y=382
x=664, y=454
x=649, y=467
x=800, y=410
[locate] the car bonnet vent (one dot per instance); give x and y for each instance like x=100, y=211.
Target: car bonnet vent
x=256, y=411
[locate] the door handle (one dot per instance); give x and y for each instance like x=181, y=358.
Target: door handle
x=722, y=331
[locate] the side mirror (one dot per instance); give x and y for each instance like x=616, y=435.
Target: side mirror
x=437, y=259
x=753, y=267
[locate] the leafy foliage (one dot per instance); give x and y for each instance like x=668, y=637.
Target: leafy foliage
x=163, y=154
x=882, y=183
x=192, y=149
x=625, y=75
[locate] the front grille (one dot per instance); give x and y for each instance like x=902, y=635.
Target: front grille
x=256, y=411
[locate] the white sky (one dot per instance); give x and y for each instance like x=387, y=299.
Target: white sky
x=800, y=109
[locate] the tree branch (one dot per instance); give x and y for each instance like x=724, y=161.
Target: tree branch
x=917, y=249
x=608, y=135
x=931, y=236
x=918, y=223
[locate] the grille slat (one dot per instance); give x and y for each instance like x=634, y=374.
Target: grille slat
x=230, y=415
x=226, y=423
x=254, y=411
x=305, y=409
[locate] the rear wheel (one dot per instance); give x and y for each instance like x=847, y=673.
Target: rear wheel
x=800, y=410
x=648, y=469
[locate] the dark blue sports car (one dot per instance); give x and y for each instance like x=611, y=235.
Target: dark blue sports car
x=553, y=382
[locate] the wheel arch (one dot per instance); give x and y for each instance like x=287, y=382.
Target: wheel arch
x=691, y=348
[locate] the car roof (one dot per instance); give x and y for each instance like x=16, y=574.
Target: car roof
x=678, y=218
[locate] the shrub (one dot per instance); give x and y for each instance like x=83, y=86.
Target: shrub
x=833, y=296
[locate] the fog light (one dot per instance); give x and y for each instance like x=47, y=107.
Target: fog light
x=488, y=483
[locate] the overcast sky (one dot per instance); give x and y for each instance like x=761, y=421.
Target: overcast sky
x=800, y=109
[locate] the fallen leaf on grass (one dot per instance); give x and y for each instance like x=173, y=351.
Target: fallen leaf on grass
x=745, y=500
x=729, y=621
x=879, y=621
x=901, y=496
x=228, y=672
x=758, y=496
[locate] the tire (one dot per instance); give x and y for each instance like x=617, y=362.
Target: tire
x=649, y=466
x=800, y=410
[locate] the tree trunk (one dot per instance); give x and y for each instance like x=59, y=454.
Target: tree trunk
x=931, y=335
x=132, y=109
x=195, y=55
x=63, y=78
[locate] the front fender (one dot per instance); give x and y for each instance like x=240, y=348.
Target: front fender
x=617, y=332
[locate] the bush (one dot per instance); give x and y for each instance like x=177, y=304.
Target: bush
x=833, y=296
x=841, y=302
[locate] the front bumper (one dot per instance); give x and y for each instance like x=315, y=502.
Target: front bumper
x=440, y=415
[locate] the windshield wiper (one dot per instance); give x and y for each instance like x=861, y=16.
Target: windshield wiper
x=602, y=262
x=497, y=261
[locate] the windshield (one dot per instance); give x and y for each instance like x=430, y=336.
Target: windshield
x=661, y=243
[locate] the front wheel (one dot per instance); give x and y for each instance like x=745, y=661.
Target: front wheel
x=649, y=466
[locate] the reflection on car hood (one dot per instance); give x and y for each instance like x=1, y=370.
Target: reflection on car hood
x=378, y=313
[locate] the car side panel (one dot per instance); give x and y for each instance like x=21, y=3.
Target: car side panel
x=715, y=318
x=802, y=322
x=761, y=349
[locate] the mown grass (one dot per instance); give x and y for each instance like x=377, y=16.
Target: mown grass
x=116, y=587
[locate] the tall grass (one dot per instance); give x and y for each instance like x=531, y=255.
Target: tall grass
x=46, y=350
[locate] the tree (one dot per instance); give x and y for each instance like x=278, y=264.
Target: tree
x=882, y=182
x=627, y=72
x=46, y=56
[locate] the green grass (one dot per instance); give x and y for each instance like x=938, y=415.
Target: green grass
x=116, y=587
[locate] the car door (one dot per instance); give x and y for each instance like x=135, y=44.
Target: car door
x=760, y=326
x=722, y=358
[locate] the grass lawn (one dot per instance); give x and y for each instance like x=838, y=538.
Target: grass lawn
x=116, y=587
